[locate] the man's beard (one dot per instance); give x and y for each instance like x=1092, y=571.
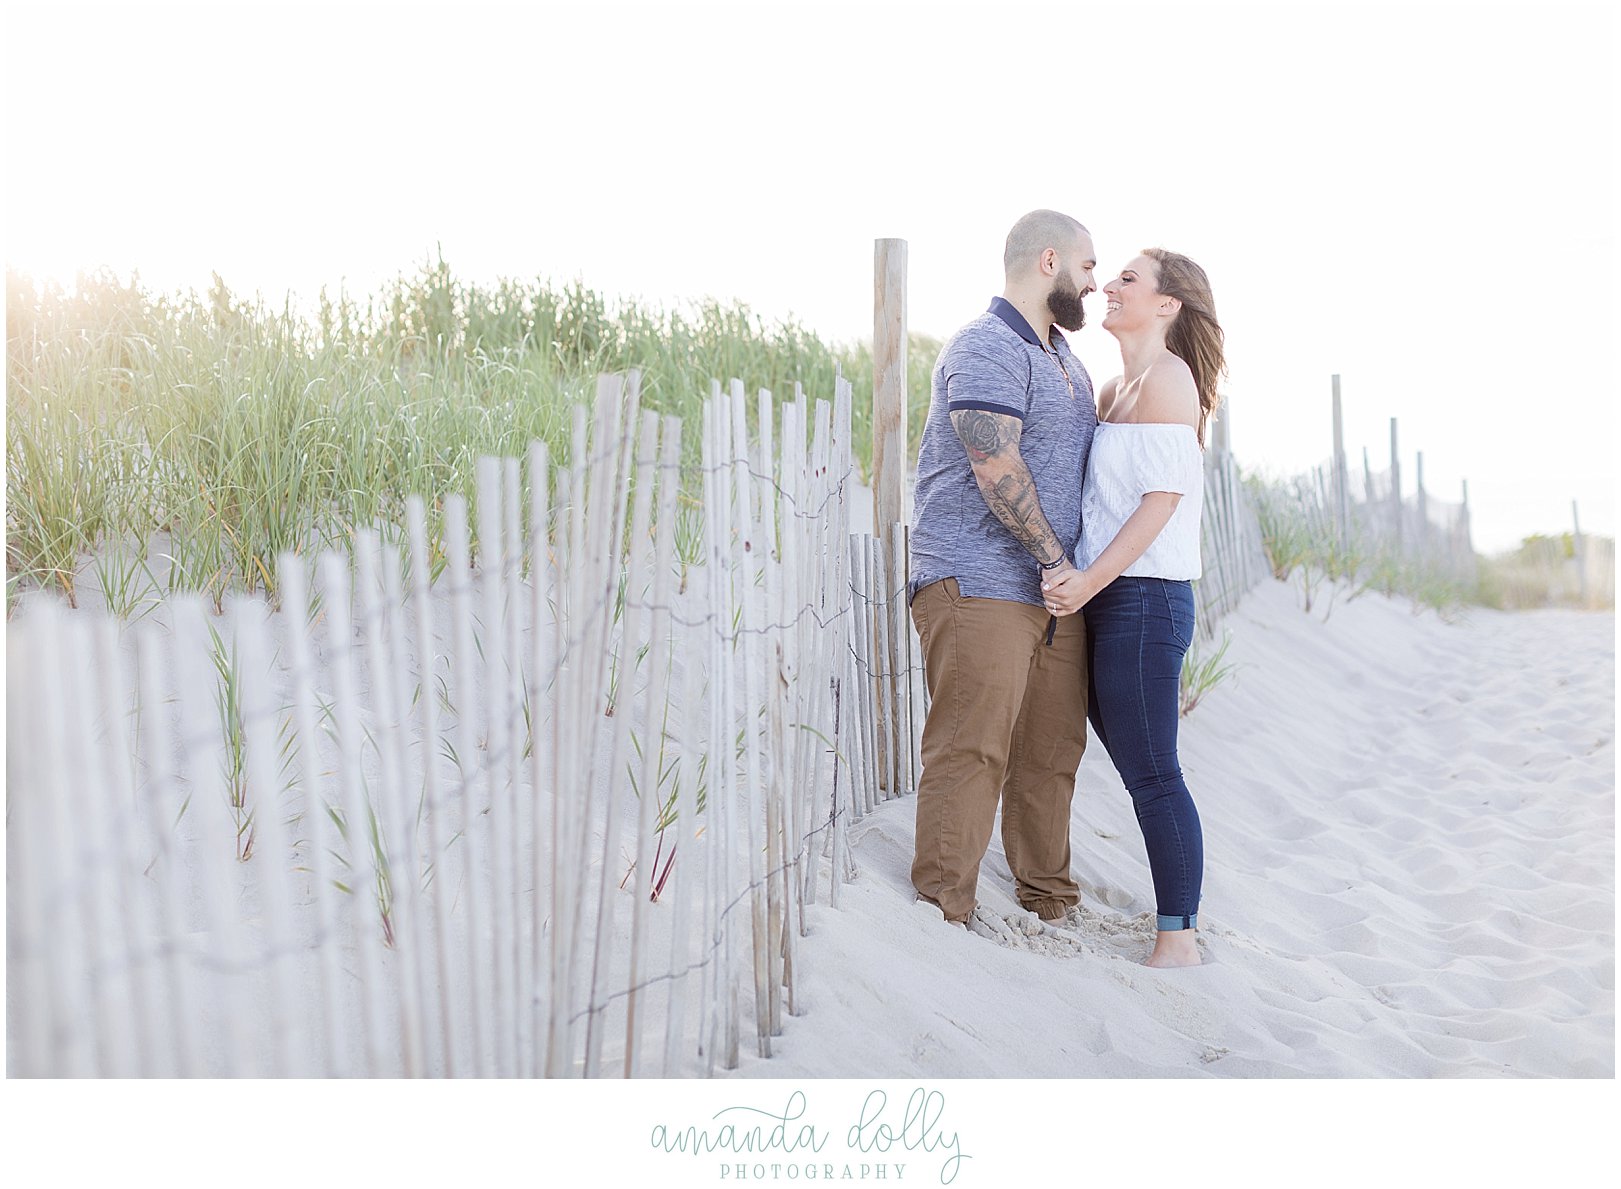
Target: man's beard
x=1064, y=302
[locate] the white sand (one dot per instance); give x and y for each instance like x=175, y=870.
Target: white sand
x=1409, y=831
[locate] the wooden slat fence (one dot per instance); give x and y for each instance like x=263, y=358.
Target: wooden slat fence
x=559, y=813
x=1231, y=549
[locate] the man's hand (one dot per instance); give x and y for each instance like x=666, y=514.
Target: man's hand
x=1067, y=593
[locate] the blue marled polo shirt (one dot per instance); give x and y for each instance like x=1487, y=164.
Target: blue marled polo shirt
x=998, y=363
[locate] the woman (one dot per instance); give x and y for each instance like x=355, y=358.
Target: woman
x=1138, y=553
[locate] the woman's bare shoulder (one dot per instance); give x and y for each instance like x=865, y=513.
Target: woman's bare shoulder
x=1169, y=393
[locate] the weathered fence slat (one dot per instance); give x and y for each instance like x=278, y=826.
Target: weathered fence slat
x=315, y=810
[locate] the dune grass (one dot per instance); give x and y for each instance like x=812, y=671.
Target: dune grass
x=1439, y=572
x=1304, y=546
x=1202, y=672
x=1550, y=571
x=184, y=441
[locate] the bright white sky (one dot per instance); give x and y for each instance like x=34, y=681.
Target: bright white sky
x=1422, y=200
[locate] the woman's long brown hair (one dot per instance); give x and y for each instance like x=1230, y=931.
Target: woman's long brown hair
x=1195, y=336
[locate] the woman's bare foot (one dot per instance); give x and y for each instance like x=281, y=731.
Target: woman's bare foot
x=1178, y=947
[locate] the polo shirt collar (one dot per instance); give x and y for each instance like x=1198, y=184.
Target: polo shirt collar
x=1009, y=313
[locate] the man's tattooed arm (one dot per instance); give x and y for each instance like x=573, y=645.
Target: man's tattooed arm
x=992, y=443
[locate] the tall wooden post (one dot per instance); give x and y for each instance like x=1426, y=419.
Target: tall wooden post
x=888, y=387
x=1422, y=536
x=889, y=464
x=1580, y=550
x=1395, y=487
x=1224, y=428
x=1342, y=510
x=1464, y=545
x=1468, y=536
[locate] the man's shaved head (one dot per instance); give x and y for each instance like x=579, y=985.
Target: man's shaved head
x=1034, y=234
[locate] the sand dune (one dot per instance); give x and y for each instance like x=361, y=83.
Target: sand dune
x=1410, y=873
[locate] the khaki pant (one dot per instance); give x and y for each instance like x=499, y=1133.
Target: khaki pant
x=1007, y=718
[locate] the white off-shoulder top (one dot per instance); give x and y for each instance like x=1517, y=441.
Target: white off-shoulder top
x=1127, y=461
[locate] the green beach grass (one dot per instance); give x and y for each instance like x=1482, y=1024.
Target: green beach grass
x=178, y=443
x=1303, y=547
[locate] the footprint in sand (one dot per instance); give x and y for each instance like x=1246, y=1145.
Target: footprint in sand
x=1023, y=931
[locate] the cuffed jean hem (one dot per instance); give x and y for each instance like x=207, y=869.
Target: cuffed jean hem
x=1049, y=910
x=1167, y=924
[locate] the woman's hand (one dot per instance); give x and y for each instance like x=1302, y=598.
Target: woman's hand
x=1069, y=592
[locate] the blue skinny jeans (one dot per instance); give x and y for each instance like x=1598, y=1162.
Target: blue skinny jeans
x=1137, y=631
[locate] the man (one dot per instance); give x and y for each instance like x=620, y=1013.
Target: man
x=998, y=508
